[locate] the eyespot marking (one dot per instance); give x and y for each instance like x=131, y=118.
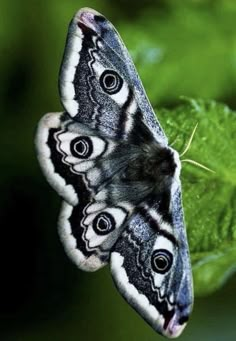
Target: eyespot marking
x=111, y=82
x=104, y=223
x=81, y=147
x=161, y=261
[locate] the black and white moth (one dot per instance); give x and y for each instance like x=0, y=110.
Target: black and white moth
x=108, y=158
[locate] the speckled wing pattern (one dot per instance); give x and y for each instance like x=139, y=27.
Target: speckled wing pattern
x=108, y=158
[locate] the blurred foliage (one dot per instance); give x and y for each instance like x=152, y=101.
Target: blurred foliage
x=183, y=47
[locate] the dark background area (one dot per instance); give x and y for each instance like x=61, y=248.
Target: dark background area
x=43, y=295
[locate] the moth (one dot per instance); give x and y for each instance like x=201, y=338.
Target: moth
x=108, y=158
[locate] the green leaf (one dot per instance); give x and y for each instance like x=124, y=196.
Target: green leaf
x=209, y=198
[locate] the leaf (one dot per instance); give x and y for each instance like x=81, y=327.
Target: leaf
x=209, y=199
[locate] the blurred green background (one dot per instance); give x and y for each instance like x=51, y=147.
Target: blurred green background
x=180, y=48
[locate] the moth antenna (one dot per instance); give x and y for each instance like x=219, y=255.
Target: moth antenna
x=175, y=140
x=189, y=141
x=198, y=164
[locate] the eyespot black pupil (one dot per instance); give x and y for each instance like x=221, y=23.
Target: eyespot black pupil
x=109, y=81
x=80, y=147
x=103, y=224
x=161, y=262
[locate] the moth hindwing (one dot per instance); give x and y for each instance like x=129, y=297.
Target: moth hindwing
x=108, y=158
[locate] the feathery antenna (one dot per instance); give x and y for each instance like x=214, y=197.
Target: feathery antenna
x=189, y=141
x=195, y=163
